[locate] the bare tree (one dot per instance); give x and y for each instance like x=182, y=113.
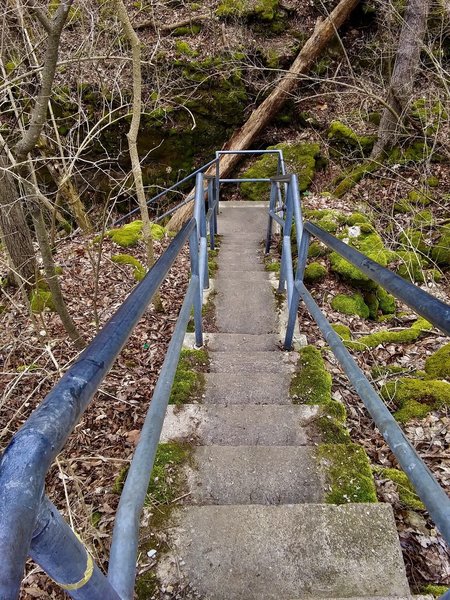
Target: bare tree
x=402, y=80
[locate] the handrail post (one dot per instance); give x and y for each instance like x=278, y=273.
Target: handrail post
x=293, y=308
x=273, y=191
x=212, y=208
x=197, y=260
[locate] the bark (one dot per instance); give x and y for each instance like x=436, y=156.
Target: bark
x=132, y=136
x=324, y=32
x=51, y=276
x=401, y=86
x=14, y=229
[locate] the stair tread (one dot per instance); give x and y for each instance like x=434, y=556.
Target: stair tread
x=241, y=342
x=303, y=551
x=255, y=475
x=248, y=362
x=247, y=388
x=238, y=425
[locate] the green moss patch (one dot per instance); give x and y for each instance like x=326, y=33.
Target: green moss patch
x=406, y=336
x=405, y=490
x=343, y=331
x=411, y=266
x=343, y=138
x=301, y=159
x=139, y=270
x=314, y=272
x=165, y=484
x=312, y=384
x=264, y=10
x=129, y=235
x=317, y=249
x=189, y=382
x=41, y=300
x=437, y=366
x=348, y=473
x=415, y=398
x=350, y=305
x=440, y=252
x=349, y=178
x=435, y=590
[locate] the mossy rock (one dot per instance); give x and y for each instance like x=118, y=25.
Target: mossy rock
x=437, y=366
x=349, y=178
x=312, y=384
x=300, y=159
x=189, y=381
x=413, y=238
x=139, y=271
x=327, y=219
x=42, y=300
x=129, y=235
x=343, y=331
x=372, y=340
x=419, y=197
x=412, y=266
x=415, y=153
x=429, y=115
x=314, y=272
x=350, y=305
x=405, y=490
x=265, y=10
x=357, y=218
x=440, y=251
x=343, y=138
x=184, y=49
x=386, y=302
x=415, y=398
x=317, y=249
x=423, y=217
x=432, y=181
x=348, y=472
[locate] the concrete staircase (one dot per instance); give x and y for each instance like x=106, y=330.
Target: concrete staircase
x=255, y=525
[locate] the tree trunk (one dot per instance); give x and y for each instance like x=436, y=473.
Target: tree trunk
x=324, y=32
x=14, y=229
x=132, y=136
x=402, y=80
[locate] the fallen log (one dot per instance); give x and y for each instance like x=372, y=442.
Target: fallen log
x=323, y=33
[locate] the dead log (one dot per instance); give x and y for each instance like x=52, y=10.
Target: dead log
x=324, y=32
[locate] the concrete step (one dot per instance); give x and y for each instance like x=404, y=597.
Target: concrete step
x=253, y=362
x=236, y=264
x=255, y=475
x=243, y=220
x=301, y=552
x=226, y=342
x=249, y=425
x=246, y=276
x=244, y=307
x=247, y=388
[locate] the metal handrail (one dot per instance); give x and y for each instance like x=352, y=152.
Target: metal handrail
x=436, y=311
x=29, y=523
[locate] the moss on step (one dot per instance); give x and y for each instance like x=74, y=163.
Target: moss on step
x=273, y=266
x=343, y=138
x=415, y=398
x=350, y=305
x=139, y=270
x=406, y=336
x=165, y=483
x=348, y=472
x=437, y=366
x=129, y=235
x=41, y=300
x=301, y=159
x=312, y=384
x=314, y=272
x=405, y=490
x=212, y=263
x=189, y=382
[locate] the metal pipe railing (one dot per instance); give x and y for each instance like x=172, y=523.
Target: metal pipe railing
x=34, y=447
x=125, y=538
x=426, y=305
x=426, y=486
